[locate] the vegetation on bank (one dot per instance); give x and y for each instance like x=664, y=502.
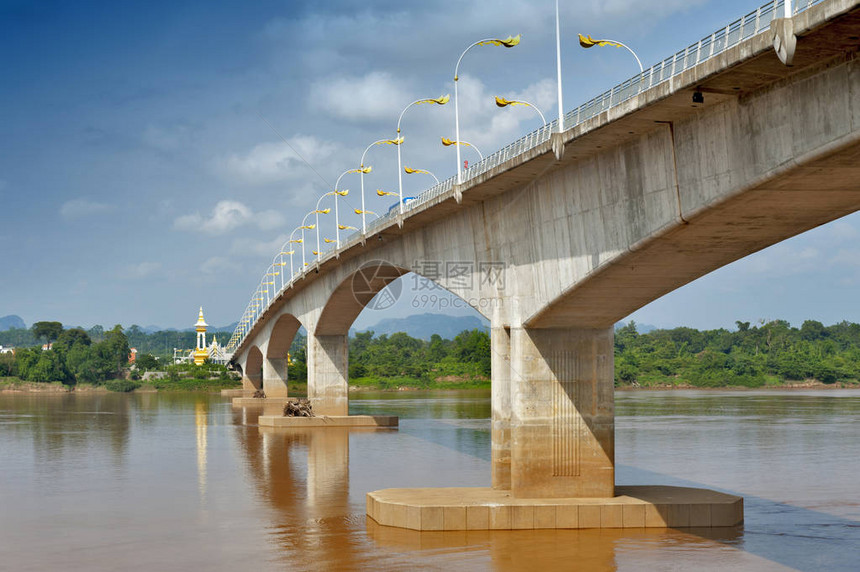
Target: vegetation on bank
x=766, y=354
x=399, y=360
x=75, y=359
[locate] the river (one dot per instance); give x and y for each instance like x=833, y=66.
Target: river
x=186, y=482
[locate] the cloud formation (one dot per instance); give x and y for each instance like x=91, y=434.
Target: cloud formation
x=374, y=96
x=279, y=161
x=227, y=216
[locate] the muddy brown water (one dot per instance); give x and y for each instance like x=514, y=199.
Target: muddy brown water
x=187, y=482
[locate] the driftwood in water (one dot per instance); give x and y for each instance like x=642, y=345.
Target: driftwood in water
x=260, y=394
x=298, y=408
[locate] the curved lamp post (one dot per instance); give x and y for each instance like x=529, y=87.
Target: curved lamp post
x=589, y=42
x=362, y=211
x=502, y=102
x=508, y=42
x=317, y=211
x=410, y=171
x=280, y=264
x=292, y=251
x=305, y=227
x=268, y=283
x=438, y=101
x=345, y=192
x=447, y=143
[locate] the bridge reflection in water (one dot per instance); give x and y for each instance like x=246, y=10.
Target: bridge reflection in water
x=303, y=477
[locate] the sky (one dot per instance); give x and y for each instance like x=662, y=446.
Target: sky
x=143, y=171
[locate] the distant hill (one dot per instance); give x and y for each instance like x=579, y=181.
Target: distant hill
x=11, y=321
x=423, y=326
x=211, y=329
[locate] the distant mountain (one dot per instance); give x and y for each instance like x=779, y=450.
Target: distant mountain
x=423, y=326
x=11, y=321
x=211, y=329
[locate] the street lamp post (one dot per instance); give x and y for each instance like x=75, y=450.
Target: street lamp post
x=410, y=171
x=268, y=283
x=280, y=264
x=304, y=227
x=502, y=102
x=509, y=42
x=362, y=170
x=318, y=212
x=438, y=101
x=589, y=42
x=447, y=143
x=362, y=211
x=291, y=251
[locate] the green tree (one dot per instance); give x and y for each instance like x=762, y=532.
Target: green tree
x=71, y=337
x=116, y=348
x=48, y=331
x=147, y=362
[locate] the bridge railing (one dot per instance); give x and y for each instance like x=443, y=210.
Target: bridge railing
x=718, y=42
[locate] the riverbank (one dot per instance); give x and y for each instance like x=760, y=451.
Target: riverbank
x=16, y=385
x=809, y=384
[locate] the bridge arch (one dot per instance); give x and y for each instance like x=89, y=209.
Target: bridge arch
x=253, y=372
x=353, y=294
x=276, y=362
x=283, y=333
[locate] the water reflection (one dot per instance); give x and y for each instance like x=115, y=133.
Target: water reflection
x=201, y=417
x=303, y=476
x=599, y=549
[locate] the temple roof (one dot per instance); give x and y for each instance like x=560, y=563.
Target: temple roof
x=200, y=320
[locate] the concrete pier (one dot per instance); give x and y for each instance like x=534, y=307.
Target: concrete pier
x=491, y=509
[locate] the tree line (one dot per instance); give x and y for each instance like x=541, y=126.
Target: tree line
x=73, y=356
x=768, y=353
x=399, y=359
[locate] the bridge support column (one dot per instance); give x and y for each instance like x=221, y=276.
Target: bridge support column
x=275, y=377
x=328, y=377
x=500, y=367
x=563, y=418
x=252, y=378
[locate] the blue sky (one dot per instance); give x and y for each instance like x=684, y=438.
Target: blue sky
x=138, y=180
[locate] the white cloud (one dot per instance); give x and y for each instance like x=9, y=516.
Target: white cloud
x=226, y=216
x=81, y=207
x=279, y=161
x=140, y=270
x=377, y=95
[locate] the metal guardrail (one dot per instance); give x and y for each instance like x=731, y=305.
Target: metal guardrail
x=731, y=35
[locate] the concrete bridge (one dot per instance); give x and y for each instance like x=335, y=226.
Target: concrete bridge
x=561, y=241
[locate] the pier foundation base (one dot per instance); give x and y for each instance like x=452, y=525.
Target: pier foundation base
x=493, y=509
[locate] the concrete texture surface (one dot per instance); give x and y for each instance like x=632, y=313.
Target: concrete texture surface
x=329, y=421
x=491, y=509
